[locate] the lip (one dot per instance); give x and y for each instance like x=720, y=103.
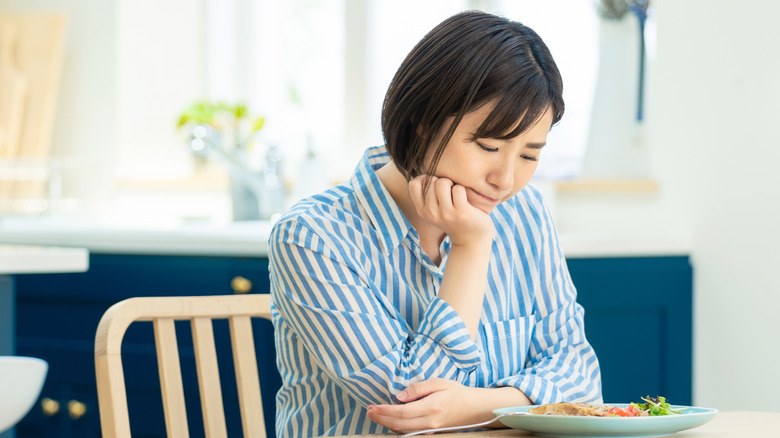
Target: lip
x=486, y=198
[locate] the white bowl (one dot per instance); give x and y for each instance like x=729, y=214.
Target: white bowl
x=21, y=380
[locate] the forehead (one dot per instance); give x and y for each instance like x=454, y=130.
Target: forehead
x=477, y=117
x=473, y=120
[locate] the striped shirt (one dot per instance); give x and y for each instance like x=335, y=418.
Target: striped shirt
x=357, y=320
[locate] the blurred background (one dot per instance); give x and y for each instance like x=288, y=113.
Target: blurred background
x=162, y=115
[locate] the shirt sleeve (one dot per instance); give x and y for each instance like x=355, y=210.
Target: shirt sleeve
x=561, y=365
x=355, y=335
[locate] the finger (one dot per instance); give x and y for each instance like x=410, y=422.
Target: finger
x=402, y=424
x=430, y=196
x=415, y=391
x=416, y=193
x=444, y=193
x=409, y=410
x=459, y=197
x=412, y=416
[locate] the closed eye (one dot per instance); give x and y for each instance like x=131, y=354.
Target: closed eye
x=489, y=149
x=529, y=157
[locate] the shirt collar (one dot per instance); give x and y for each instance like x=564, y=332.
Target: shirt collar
x=390, y=223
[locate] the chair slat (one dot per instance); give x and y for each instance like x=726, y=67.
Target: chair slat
x=247, y=379
x=170, y=378
x=163, y=312
x=208, y=378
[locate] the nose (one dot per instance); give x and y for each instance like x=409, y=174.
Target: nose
x=502, y=175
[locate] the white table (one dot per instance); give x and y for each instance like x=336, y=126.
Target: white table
x=736, y=424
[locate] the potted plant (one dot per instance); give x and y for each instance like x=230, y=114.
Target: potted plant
x=227, y=131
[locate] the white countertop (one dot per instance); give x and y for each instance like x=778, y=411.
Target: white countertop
x=251, y=239
x=171, y=238
x=16, y=259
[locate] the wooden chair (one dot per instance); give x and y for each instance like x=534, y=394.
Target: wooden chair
x=200, y=311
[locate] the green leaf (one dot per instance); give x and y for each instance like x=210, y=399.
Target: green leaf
x=224, y=117
x=240, y=111
x=258, y=124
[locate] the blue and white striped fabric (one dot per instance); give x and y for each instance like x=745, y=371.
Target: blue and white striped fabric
x=357, y=319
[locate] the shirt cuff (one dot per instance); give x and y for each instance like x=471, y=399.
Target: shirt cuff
x=444, y=327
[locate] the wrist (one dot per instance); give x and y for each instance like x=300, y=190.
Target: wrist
x=475, y=243
x=482, y=401
x=475, y=405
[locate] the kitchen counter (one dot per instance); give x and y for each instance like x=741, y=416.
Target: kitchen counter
x=15, y=259
x=172, y=238
x=251, y=239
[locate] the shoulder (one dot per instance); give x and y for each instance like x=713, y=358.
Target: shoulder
x=335, y=197
x=321, y=217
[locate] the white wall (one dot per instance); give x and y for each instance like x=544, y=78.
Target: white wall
x=714, y=133
x=723, y=74
x=161, y=67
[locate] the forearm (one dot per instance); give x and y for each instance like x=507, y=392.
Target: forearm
x=464, y=282
x=482, y=401
x=442, y=403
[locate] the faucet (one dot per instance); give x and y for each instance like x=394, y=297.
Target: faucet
x=254, y=195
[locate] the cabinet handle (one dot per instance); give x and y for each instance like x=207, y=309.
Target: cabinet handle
x=241, y=285
x=50, y=407
x=76, y=409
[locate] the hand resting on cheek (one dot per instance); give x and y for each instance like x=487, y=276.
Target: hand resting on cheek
x=446, y=206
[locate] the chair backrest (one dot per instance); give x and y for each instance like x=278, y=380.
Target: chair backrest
x=200, y=311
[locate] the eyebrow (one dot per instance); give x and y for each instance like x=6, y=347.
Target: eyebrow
x=535, y=145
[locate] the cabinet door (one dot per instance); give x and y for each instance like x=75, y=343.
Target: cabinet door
x=64, y=411
x=638, y=317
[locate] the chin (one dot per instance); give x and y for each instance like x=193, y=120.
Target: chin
x=481, y=203
x=487, y=208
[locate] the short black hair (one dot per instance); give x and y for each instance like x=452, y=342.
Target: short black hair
x=467, y=61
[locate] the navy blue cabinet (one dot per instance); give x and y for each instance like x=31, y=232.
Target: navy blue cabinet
x=58, y=314
x=637, y=316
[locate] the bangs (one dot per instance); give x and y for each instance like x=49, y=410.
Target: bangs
x=519, y=109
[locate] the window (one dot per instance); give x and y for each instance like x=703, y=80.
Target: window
x=316, y=69
x=570, y=30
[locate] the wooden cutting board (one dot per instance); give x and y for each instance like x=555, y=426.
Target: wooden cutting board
x=13, y=91
x=33, y=48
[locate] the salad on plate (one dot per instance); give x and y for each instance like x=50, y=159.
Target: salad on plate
x=650, y=407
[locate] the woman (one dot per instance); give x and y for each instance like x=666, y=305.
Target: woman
x=430, y=289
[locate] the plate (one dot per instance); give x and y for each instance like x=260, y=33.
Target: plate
x=573, y=426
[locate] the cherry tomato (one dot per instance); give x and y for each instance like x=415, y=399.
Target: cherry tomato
x=618, y=412
x=633, y=411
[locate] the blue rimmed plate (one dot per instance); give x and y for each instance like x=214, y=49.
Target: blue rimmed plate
x=573, y=426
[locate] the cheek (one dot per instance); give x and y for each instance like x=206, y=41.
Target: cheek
x=457, y=166
x=523, y=175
